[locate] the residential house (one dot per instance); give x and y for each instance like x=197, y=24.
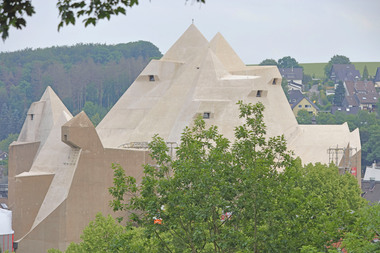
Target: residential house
x=298, y=101
x=344, y=72
x=376, y=80
x=360, y=94
x=371, y=183
x=293, y=76
x=345, y=110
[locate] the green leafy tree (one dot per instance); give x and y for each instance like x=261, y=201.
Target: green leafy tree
x=339, y=94
x=325, y=119
x=288, y=62
x=364, y=231
x=208, y=179
x=370, y=137
x=4, y=144
x=105, y=235
x=336, y=59
x=12, y=12
x=268, y=62
x=285, y=87
x=304, y=117
x=365, y=75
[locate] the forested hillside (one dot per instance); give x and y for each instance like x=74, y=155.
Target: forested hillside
x=85, y=76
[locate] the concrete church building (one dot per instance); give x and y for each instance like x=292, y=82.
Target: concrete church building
x=60, y=166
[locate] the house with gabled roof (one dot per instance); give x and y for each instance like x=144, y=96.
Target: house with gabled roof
x=360, y=94
x=371, y=183
x=293, y=76
x=298, y=102
x=344, y=72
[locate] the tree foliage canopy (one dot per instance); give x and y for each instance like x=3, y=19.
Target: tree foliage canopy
x=268, y=62
x=12, y=12
x=339, y=94
x=85, y=73
x=288, y=62
x=365, y=73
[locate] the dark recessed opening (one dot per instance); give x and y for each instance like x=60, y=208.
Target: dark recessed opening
x=206, y=115
x=151, y=78
x=31, y=116
x=259, y=93
x=274, y=81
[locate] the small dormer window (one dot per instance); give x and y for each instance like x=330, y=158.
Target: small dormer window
x=206, y=115
x=31, y=116
x=151, y=78
x=259, y=93
x=274, y=81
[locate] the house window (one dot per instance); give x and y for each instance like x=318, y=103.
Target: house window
x=206, y=115
x=151, y=78
x=274, y=81
x=31, y=116
x=299, y=106
x=259, y=93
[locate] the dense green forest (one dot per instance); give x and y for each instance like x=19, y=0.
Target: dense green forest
x=89, y=77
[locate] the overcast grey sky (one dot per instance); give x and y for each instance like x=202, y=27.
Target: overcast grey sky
x=308, y=30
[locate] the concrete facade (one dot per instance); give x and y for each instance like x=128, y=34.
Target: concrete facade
x=60, y=165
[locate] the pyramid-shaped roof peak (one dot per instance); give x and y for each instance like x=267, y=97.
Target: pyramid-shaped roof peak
x=187, y=45
x=55, y=103
x=225, y=53
x=80, y=120
x=43, y=116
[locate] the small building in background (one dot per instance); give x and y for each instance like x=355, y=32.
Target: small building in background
x=6, y=231
x=298, y=102
x=344, y=72
x=371, y=183
x=360, y=94
x=293, y=76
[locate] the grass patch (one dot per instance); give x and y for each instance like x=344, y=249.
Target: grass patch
x=371, y=66
x=314, y=69
x=317, y=69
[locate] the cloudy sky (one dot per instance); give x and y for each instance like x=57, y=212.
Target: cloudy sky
x=308, y=30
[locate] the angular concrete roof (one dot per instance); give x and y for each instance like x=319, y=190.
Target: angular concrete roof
x=196, y=77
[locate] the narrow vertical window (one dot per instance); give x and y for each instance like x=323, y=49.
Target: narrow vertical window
x=259, y=93
x=151, y=78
